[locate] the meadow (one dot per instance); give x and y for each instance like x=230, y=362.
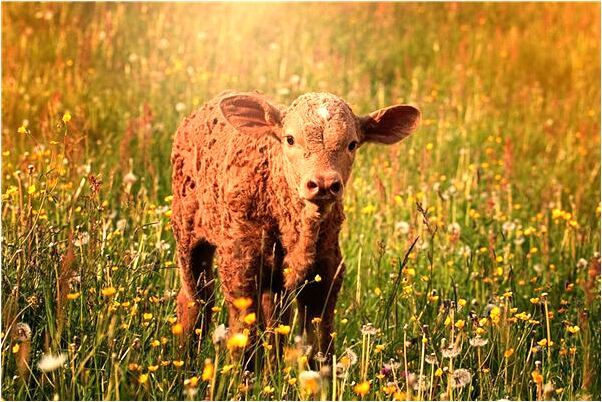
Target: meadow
x=472, y=248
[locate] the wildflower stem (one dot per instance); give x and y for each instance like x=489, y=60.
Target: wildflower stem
x=548, y=337
x=421, y=369
x=405, y=361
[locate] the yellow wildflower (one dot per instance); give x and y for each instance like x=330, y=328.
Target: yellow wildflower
x=192, y=381
x=368, y=209
x=108, y=292
x=73, y=296
x=389, y=389
x=494, y=314
x=177, y=329
x=508, y=353
x=283, y=329
x=178, y=363
x=227, y=368
x=143, y=378
x=242, y=303
x=238, y=340
x=208, y=370
x=362, y=388
x=573, y=329
x=250, y=318
x=66, y=117
x=537, y=377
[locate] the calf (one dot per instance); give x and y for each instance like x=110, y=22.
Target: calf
x=262, y=184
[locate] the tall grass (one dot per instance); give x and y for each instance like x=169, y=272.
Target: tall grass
x=472, y=248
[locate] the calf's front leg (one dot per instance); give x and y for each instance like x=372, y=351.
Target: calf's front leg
x=317, y=302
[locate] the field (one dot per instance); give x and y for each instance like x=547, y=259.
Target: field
x=472, y=248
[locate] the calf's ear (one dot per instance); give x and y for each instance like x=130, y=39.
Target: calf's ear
x=389, y=125
x=250, y=114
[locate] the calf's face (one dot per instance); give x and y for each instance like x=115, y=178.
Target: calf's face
x=319, y=135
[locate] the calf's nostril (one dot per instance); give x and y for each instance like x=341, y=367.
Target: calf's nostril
x=312, y=185
x=336, y=187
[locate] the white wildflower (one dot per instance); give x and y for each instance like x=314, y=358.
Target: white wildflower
x=508, y=227
x=82, y=239
x=402, y=227
x=130, y=179
x=180, y=107
x=454, y=228
x=220, y=333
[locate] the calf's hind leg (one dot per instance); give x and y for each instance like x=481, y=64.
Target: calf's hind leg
x=195, y=264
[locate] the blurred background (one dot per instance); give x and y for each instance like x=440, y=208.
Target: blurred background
x=128, y=73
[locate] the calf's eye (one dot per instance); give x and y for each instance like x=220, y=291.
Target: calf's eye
x=352, y=146
x=290, y=140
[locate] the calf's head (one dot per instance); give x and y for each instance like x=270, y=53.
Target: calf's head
x=319, y=135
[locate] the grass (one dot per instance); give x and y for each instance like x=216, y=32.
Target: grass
x=500, y=187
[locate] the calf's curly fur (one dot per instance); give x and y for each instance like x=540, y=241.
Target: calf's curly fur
x=261, y=185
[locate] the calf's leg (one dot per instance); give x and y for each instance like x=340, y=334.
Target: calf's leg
x=195, y=264
x=316, y=303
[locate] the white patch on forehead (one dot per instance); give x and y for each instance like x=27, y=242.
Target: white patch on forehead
x=323, y=112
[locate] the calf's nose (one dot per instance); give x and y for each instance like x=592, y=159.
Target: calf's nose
x=324, y=185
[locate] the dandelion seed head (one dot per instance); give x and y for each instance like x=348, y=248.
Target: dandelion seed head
x=450, y=352
x=402, y=227
x=431, y=358
x=477, y=341
x=310, y=381
x=51, y=362
x=22, y=332
x=368, y=329
x=461, y=378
